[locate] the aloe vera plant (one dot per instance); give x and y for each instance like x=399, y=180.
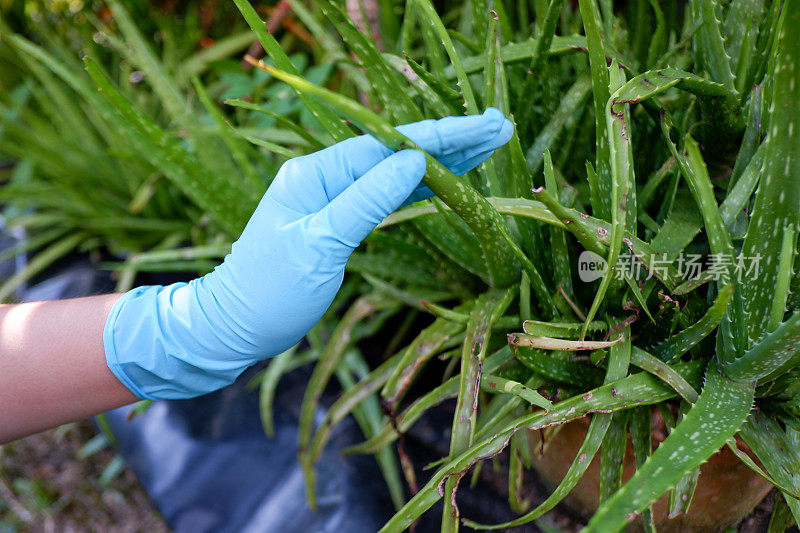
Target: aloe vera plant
x=105, y=157
x=692, y=117
x=632, y=250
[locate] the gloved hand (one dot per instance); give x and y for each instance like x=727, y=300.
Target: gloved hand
x=188, y=339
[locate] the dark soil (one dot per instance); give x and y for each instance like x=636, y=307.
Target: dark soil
x=45, y=486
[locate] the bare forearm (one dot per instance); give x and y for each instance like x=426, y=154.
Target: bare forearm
x=52, y=364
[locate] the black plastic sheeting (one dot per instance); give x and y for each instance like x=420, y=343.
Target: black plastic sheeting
x=208, y=466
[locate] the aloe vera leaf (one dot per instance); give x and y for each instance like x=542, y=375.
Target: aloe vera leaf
x=777, y=453
x=432, y=44
x=443, y=312
x=751, y=141
x=680, y=497
x=208, y=251
x=329, y=42
x=588, y=449
x=744, y=458
x=637, y=389
x=695, y=173
x=41, y=261
x=507, y=206
x=480, y=9
x=545, y=31
x=422, y=348
x=437, y=94
x=739, y=18
x=645, y=195
x=505, y=21
x=348, y=401
x=658, y=40
x=514, y=53
x=269, y=381
x=236, y=149
x=447, y=390
x=778, y=194
x=60, y=107
x=618, y=125
x=642, y=448
x=665, y=372
x=313, y=142
x=765, y=45
x=465, y=41
x=620, y=184
x=222, y=199
x=385, y=84
x=516, y=477
x=562, y=273
x=679, y=229
x=544, y=299
x=155, y=74
x=711, y=44
x=448, y=273
x=410, y=296
x=612, y=455
x=574, y=99
x=388, y=267
x=270, y=147
x=781, y=518
x=525, y=296
x=473, y=208
x=671, y=349
x=720, y=106
x=488, y=308
x=500, y=409
x=405, y=420
x=741, y=192
x=560, y=370
x=720, y=411
x=459, y=244
x=559, y=329
x=787, y=258
x=326, y=117
x=571, y=220
x=590, y=16
x=776, y=351
x=368, y=416
x=547, y=343
x=591, y=232
x=332, y=354
x=487, y=169
x=497, y=384
x=429, y=13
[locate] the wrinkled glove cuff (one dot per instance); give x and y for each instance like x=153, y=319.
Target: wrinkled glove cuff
x=159, y=344
x=116, y=366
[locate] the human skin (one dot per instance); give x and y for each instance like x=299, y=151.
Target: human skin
x=53, y=365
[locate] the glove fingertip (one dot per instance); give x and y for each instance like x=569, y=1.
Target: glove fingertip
x=506, y=132
x=413, y=161
x=492, y=113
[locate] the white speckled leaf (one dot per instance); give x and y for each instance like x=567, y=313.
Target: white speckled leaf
x=719, y=413
x=777, y=202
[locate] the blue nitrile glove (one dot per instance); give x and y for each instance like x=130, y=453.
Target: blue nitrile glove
x=188, y=339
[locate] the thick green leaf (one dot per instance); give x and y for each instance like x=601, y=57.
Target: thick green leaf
x=638, y=389
x=719, y=413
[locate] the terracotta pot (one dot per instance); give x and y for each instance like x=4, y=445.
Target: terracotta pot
x=727, y=490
